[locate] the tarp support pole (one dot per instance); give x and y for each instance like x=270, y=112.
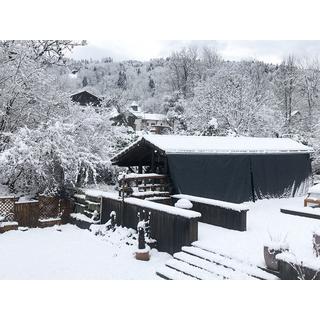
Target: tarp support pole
x=252, y=182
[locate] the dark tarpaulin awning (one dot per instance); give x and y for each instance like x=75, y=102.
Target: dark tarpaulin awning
x=283, y=175
x=237, y=177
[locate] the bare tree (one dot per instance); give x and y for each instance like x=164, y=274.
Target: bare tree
x=286, y=85
x=211, y=60
x=310, y=87
x=184, y=67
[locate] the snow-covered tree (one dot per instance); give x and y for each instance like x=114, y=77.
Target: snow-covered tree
x=234, y=98
x=29, y=88
x=65, y=150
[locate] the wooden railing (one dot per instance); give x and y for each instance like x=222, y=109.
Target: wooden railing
x=219, y=213
x=147, y=184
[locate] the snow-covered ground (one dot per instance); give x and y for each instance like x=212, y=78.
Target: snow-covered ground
x=264, y=219
x=72, y=253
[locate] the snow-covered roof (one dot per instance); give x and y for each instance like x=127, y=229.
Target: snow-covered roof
x=137, y=113
x=154, y=116
x=217, y=144
x=87, y=90
x=293, y=113
x=148, y=116
x=113, y=113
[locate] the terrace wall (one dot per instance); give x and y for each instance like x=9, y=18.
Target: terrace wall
x=171, y=227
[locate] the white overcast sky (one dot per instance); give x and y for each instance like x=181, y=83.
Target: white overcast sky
x=267, y=50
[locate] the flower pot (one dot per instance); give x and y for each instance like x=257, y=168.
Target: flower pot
x=270, y=258
x=143, y=255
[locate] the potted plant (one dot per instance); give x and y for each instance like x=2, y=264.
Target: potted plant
x=143, y=251
x=277, y=244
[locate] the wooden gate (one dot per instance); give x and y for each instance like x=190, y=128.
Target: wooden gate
x=27, y=213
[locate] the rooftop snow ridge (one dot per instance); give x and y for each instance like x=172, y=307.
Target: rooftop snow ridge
x=220, y=145
x=154, y=116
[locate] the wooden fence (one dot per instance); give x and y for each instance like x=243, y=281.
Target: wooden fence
x=171, y=227
x=45, y=211
x=49, y=207
x=7, y=207
x=219, y=213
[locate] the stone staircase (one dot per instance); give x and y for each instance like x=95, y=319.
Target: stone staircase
x=196, y=263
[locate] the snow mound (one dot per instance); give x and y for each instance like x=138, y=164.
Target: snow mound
x=183, y=204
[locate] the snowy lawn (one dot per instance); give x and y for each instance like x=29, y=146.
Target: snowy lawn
x=72, y=253
x=264, y=217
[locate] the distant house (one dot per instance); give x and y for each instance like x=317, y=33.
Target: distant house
x=295, y=113
x=233, y=169
x=85, y=98
x=141, y=121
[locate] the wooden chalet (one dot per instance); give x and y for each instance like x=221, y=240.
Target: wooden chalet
x=85, y=98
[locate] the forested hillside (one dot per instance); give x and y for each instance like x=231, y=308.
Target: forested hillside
x=196, y=85
x=47, y=141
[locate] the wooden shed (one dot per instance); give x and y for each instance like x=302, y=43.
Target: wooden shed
x=234, y=169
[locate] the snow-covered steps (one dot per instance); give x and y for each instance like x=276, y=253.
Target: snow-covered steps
x=201, y=264
x=210, y=266
x=193, y=271
x=229, y=262
x=168, y=273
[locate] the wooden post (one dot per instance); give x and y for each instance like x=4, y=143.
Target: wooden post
x=165, y=166
x=152, y=162
x=122, y=206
